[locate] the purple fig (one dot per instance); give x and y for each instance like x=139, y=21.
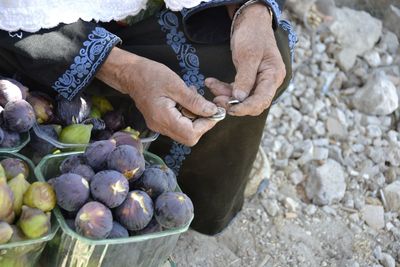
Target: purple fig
x=118, y=231
x=41, y=146
x=153, y=182
x=127, y=160
x=173, y=209
x=11, y=139
x=102, y=135
x=42, y=106
x=94, y=220
x=152, y=227
x=97, y=152
x=110, y=188
x=19, y=116
x=13, y=167
x=73, y=112
x=9, y=91
x=126, y=138
x=83, y=170
x=71, y=162
x=114, y=120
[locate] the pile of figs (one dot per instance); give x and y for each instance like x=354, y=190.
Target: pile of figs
x=24, y=208
x=109, y=192
x=16, y=113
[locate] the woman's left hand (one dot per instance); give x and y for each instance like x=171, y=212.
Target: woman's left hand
x=260, y=69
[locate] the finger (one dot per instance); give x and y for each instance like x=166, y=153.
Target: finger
x=256, y=103
x=195, y=103
x=246, y=74
x=218, y=88
x=222, y=101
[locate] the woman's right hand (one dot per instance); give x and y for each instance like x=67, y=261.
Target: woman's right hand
x=157, y=90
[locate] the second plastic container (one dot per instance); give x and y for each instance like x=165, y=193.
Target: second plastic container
x=72, y=250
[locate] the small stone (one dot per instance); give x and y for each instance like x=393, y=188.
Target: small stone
x=290, y=215
x=290, y=204
x=374, y=131
x=336, y=128
x=373, y=58
x=387, y=260
x=373, y=216
x=320, y=153
x=392, y=195
x=390, y=42
x=296, y=177
x=271, y=207
x=310, y=209
x=327, y=184
x=378, y=253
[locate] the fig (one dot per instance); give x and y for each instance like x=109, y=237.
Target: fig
x=3, y=177
x=34, y=223
x=70, y=223
x=173, y=209
x=42, y=106
x=6, y=201
x=71, y=162
x=83, y=170
x=110, y=188
x=114, y=120
x=19, y=116
x=97, y=152
x=41, y=146
x=24, y=90
x=101, y=104
x=18, y=186
x=98, y=124
x=94, y=220
x=153, y=181
x=57, y=128
x=40, y=195
x=95, y=113
x=14, y=167
x=152, y=227
x=14, y=261
x=74, y=111
x=10, y=218
x=127, y=160
x=127, y=138
x=102, y=135
x=72, y=191
x=136, y=211
x=10, y=139
x=5, y=232
x=169, y=176
x=17, y=235
x=9, y=91
x=76, y=134
x=118, y=231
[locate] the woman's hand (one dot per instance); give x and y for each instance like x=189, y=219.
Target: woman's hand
x=260, y=69
x=156, y=91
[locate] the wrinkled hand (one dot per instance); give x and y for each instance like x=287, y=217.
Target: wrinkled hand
x=260, y=69
x=156, y=91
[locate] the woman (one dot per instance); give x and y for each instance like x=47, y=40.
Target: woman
x=244, y=46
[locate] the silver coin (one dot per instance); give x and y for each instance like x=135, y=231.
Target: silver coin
x=233, y=102
x=220, y=115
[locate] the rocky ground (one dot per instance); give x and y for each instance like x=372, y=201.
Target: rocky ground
x=333, y=144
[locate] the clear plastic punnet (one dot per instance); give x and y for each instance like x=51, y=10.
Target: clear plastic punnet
x=25, y=253
x=25, y=138
x=73, y=250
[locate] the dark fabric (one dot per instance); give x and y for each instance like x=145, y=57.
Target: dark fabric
x=62, y=58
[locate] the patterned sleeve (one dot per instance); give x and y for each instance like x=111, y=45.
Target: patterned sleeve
x=200, y=21
x=65, y=58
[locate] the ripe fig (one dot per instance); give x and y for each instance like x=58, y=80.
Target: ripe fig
x=127, y=138
x=169, y=176
x=71, y=162
x=40, y=195
x=73, y=112
x=136, y=211
x=97, y=152
x=11, y=139
x=41, y=146
x=98, y=124
x=17, y=235
x=34, y=223
x=5, y=232
x=173, y=209
x=153, y=181
x=128, y=161
x=9, y=91
x=18, y=186
x=95, y=113
x=76, y=134
x=6, y=201
x=83, y=170
x=110, y=188
x=42, y=106
x=152, y=227
x=102, y=104
x=118, y=231
x=102, y=135
x=10, y=218
x=114, y=120
x=94, y=220
x=3, y=177
x=72, y=191
x=14, y=167
x=19, y=116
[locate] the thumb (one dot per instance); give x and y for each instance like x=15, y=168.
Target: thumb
x=246, y=74
x=196, y=103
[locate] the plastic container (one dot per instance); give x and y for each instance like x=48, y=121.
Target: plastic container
x=72, y=250
x=25, y=253
x=25, y=138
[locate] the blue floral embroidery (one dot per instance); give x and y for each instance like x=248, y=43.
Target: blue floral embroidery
x=291, y=35
x=190, y=64
x=85, y=65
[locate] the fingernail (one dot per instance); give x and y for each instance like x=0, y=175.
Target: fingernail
x=239, y=95
x=211, y=109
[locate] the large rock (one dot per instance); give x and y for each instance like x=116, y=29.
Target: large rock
x=392, y=195
x=356, y=32
x=327, y=184
x=378, y=96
